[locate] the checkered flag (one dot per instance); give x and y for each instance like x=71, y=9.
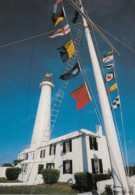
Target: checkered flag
x=116, y=103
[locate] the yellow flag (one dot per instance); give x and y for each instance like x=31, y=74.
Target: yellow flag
x=59, y=19
x=70, y=48
x=113, y=87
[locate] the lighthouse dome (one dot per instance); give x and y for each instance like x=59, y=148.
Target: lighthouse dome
x=48, y=77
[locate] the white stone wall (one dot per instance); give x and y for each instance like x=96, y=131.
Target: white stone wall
x=3, y=171
x=101, y=185
x=103, y=153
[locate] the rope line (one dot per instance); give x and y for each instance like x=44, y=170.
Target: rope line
x=114, y=37
x=90, y=22
x=33, y=189
x=111, y=102
x=32, y=37
x=84, y=77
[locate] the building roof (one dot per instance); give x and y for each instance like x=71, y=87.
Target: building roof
x=72, y=135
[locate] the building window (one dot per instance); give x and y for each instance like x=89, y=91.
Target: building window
x=40, y=168
x=93, y=143
x=52, y=149
x=67, y=146
x=67, y=167
x=97, y=166
x=50, y=165
x=25, y=156
x=24, y=168
x=42, y=153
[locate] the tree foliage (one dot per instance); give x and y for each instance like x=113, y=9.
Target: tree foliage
x=15, y=162
x=7, y=165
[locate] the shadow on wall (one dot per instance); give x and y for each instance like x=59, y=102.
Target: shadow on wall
x=84, y=154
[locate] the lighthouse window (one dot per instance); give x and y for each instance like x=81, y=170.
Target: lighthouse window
x=52, y=149
x=67, y=166
x=67, y=146
x=97, y=166
x=42, y=153
x=93, y=143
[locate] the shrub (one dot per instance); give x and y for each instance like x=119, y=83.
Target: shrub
x=7, y=165
x=108, y=189
x=131, y=170
x=15, y=162
x=50, y=175
x=83, y=181
x=100, y=177
x=86, y=181
x=131, y=190
x=12, y=173
x=109, y=172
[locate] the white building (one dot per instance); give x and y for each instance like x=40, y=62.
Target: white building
x=80, y=151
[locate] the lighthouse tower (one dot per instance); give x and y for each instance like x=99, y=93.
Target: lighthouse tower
x=41, y=131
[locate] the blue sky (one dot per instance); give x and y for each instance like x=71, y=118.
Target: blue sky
x=23, y=65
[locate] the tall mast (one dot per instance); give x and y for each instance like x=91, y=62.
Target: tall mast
x=119, y=176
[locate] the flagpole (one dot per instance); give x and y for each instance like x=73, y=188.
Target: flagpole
x=119, y=176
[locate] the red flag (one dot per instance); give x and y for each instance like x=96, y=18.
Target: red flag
x=81, y=96
x=57, y=1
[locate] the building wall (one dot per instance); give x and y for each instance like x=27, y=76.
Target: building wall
x=103, y=154
x=80, y=155
x=3, y=171
x=57, y=159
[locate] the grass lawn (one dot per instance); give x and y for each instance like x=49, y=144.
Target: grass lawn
x=58, y=188
x=4, y=180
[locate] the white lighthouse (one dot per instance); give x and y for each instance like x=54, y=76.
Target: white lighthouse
x=64, y=152
x=41, y=131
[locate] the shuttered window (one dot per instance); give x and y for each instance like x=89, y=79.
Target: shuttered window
x=100, y=166
x=24, y=168
x=97, y=166
x=40, y=168
x=42, y=153
x=93, y=143
x=50, y=165
x=26, y=156
x=67, y=146
x=67, y=167
x=52, y=150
